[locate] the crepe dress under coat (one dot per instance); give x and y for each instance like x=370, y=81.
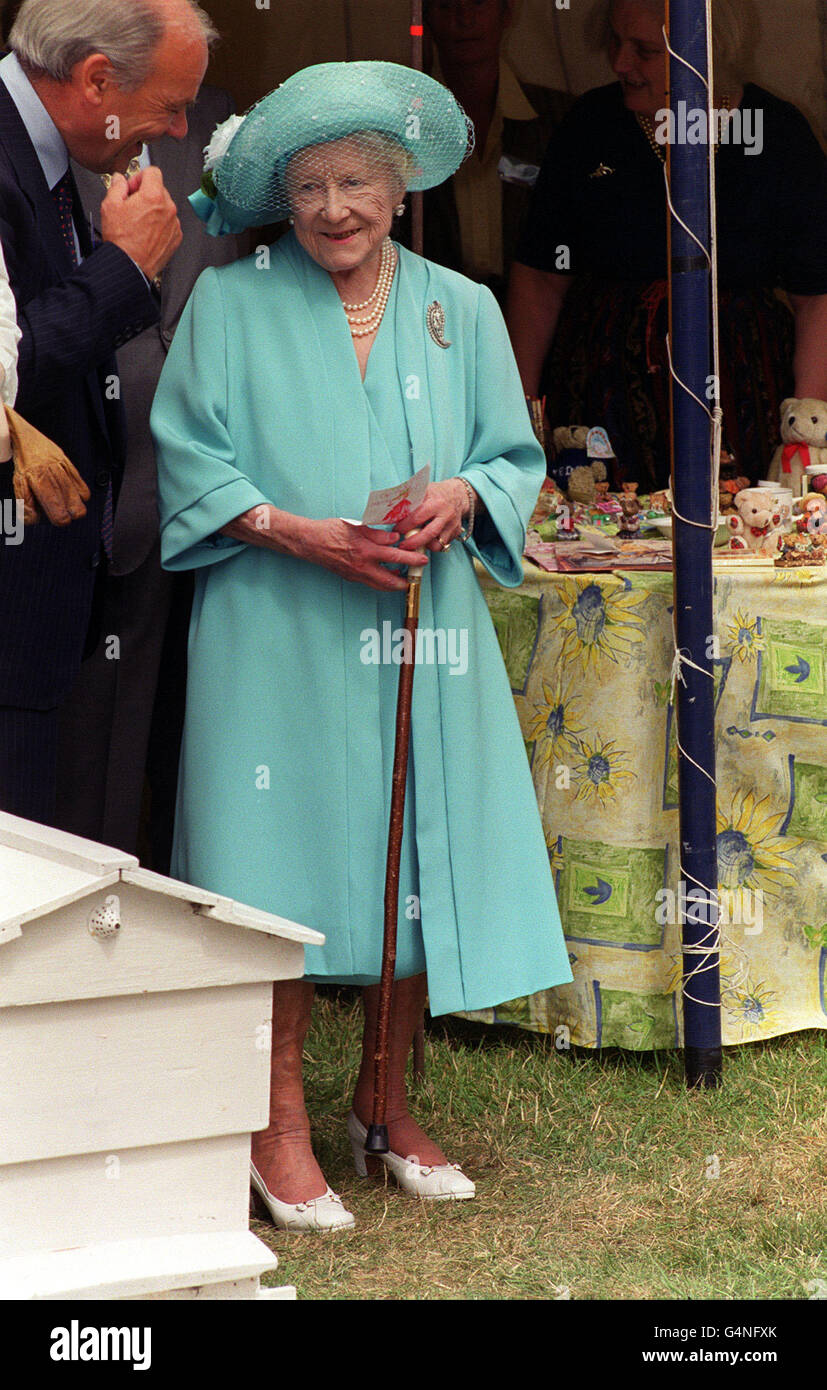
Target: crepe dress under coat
x=284, y=789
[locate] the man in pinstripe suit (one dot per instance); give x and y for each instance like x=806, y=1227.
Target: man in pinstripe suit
x=125, y=713
x=93, y=79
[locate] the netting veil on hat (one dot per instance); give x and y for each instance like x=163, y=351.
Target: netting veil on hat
x=246, y=185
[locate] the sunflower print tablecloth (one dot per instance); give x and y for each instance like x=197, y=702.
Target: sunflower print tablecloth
x=589, y=659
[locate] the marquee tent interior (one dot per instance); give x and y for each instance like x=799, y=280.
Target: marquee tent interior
x=550, y=43
x=786, y=50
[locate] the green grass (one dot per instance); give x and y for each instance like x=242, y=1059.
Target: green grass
x=592, y=1173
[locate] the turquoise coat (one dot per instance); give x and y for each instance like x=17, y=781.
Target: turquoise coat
x=285, y=771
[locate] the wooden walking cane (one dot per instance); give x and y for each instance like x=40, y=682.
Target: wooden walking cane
x=377, y=1135
x=417, y=246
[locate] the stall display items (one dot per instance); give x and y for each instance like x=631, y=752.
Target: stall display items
x=759, y=521
x=804, y=435
x=815, y=479
x=811, y=514
x=569, y=453
x=630, y=525
x=802, y=548
x=581, y=461
x=728, y=490
x=587, y=482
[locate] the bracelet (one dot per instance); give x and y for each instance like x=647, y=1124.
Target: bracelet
x=472, y=502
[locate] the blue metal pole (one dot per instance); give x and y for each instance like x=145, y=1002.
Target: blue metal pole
x=690, y=312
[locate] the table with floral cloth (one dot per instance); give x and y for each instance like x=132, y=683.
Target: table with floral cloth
x=589, y=658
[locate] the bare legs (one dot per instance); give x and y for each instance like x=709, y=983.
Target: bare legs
x=404, y=1135
x=282, y=1153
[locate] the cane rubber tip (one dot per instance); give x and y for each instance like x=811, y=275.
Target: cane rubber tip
x=376, y=1141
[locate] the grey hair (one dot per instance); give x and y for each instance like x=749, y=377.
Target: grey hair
x=384, y=152
x=728, y=29
x=389, y=154
x=51, y=36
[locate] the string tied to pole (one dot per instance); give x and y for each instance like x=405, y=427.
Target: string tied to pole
x=697, y=461
x=716, y=416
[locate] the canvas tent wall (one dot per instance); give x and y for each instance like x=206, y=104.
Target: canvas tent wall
x=786, y=50
x=550, y=43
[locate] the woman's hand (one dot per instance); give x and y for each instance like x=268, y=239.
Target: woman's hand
x=438, y=518
x=360, y=553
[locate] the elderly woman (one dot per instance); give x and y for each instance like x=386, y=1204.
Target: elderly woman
x=587, y=307
x=300, y=379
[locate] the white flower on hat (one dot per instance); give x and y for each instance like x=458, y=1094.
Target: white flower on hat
x=220, y=141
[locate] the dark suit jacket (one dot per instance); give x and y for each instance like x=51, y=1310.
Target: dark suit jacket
x=140, y=361
x=71, y=322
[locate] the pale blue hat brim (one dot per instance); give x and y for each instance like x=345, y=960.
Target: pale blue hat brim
x=328, y=102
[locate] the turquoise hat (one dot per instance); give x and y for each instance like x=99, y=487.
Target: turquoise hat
x=243, y=183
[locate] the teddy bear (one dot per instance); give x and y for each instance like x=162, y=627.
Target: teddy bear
x=757, y=524
x=583, y=482
x=804, y=432
x=578, y=465
x=727, y=492
x=569, y=453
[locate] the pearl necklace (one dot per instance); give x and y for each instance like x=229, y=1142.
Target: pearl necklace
x=362, y=327
x=647, y=125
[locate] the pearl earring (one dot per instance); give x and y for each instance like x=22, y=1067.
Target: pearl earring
x=291, y=220
x=399, y=210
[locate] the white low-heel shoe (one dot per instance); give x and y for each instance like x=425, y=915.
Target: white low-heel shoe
x=445, y=1183
x=325, y=1213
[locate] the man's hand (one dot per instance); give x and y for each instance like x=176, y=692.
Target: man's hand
x=44, y=479
x=141, y=218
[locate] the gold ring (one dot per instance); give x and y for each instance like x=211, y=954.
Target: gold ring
x=446, y=545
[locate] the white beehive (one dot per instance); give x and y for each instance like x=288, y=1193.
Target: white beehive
x=135, y=1017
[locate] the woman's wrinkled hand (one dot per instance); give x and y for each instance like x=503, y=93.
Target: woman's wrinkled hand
x=361, y=553
x=438, y=518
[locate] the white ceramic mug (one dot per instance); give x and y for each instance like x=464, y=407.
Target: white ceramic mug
x=784, y=495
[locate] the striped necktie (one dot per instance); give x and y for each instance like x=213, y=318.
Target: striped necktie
x=62, y=194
